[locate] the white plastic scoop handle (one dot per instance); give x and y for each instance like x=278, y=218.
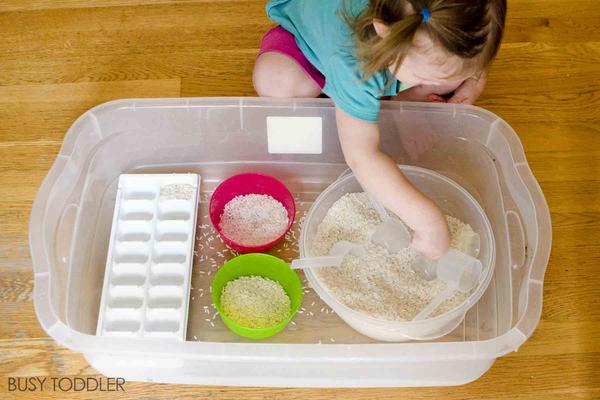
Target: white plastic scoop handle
x=334, y=259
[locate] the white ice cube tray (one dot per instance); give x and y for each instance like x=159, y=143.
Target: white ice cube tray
x=148, y=268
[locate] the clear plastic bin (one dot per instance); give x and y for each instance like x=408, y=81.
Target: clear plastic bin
x=217, y=137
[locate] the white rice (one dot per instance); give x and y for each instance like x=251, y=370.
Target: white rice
x=382, y=285
x=255, y=302
x=182, y=191
x=253, y=219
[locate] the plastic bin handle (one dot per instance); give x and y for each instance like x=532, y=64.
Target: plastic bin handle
x=516, y=233
x=65, y=229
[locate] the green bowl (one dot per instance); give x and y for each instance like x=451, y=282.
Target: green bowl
x=258, y=265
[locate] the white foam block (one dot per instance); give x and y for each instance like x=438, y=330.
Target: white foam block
x=295, y=135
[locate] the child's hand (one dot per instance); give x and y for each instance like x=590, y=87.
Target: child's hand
x=434, y=241
x=428, y=93
x=469, y=91
x=415, y=93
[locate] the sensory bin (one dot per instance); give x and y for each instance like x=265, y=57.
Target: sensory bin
x=220, y=137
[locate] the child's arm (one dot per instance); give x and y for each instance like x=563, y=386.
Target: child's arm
x=380, y=176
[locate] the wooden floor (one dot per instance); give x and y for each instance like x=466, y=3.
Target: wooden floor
x=60, y=57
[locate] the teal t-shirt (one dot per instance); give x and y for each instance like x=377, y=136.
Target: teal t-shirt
x=327, y=42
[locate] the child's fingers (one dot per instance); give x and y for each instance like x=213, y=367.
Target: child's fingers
x=435, y=98
x=457, y=99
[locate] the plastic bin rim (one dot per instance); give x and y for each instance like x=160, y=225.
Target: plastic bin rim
x=262, y=102
x=387, y=351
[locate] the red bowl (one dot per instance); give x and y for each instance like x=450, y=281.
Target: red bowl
x=250, y=183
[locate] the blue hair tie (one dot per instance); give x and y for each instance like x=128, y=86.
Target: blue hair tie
x=425, y=14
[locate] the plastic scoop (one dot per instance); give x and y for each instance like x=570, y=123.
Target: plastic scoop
x=459, y=271
x=391, y=232
x=428, y=268
x=335, y=258
x=395, y=236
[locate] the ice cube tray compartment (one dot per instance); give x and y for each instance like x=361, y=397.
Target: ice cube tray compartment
x=174, y=210
x=167, y=274
x=171, y=231
x=135, y=210
x=134, y=231
x=148, y=268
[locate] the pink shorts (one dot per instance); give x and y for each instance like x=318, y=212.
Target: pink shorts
x=281, y=41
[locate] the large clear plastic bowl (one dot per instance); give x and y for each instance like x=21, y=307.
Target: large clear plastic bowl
x=454, y=201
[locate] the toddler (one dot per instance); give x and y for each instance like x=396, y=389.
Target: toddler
x=360, y=51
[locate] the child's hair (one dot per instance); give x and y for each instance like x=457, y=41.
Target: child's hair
x=470, y=29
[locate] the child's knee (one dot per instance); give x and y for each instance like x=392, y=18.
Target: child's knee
x=262, y=79
x=276, y=75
